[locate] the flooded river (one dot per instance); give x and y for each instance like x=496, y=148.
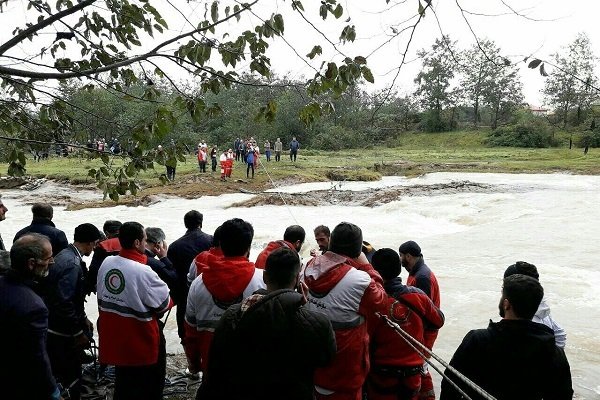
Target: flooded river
x=468, y=239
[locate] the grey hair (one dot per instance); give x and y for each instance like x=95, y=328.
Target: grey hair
x=27, y=246
x=155, y=235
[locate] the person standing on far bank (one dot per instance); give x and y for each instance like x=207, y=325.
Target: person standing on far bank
x=268, y=150
x=294, y=147
x=278, y=149
x=419, y=275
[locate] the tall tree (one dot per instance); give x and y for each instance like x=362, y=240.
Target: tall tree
x=435, y=79
x=569, y=87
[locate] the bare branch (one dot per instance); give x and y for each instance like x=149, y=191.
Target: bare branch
x=42, y=24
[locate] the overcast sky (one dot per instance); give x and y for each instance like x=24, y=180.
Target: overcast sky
x=542, y=28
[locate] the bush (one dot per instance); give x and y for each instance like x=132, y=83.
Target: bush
x=529, y=133
x=590, y=138
x=338, y=138
x=435, y=122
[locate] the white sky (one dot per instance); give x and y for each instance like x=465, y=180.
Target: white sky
x=545, y=26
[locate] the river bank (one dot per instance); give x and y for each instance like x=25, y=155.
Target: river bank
x=79, y=190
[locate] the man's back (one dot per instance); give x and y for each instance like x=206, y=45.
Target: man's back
x=46, y=227
x=268, y=348
x=512, y=360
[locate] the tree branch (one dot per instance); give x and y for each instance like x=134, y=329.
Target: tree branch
x=42, y=24
x=119, y=64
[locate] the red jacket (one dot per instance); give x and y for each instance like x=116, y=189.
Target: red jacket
x=422, y=277
x=410, y=308
x=204, y=259
x=224, y=282
x=349, y=294
x=261, y=260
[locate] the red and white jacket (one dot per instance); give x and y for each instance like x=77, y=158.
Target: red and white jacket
x=201, y=262
x=349, y=294
x=224, y=282
x=131, y=298
x=261, y=260
x=410, y=308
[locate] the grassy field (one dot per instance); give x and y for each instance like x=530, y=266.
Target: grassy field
x=414, y=154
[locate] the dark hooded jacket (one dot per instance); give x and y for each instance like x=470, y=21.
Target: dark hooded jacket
x=268, y=347
x=511, y=360
x=46, y=227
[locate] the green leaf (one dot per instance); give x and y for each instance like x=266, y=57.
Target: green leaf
x=360, y=60
x=278, y=23
x=316, y=50
x=421, y=9
x=534, y=63
x=367, y=74
x=323, y=11
x=338, y=11
x=332, y=71
x=214, y=11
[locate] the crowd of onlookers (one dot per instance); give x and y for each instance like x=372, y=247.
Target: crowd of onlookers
x=340, y=325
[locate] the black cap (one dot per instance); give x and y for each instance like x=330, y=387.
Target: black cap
x=410, y=247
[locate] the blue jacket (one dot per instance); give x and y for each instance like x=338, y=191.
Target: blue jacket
x=294, y=145
x=64, y=293
x=25, y=372
x=58, y=239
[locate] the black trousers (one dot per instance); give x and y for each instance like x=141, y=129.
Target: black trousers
x=171, y=173
x=65, y=359
x=145, y=382
x=277, y=156
x=293, y=153
x=214, y=164
x=250, y=166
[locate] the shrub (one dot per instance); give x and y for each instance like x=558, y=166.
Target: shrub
x=338, y=138
x=528, y=133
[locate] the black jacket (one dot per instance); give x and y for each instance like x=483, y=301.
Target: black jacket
x=24, y=365
x=512, y=360
x=58, y=239
x=268, y=352
x=182, y=252
x=164, y=268
x=64, y=293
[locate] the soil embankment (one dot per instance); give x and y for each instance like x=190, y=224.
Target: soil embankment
x=368, y=198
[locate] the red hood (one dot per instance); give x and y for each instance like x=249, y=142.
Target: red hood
x=227, y=277
x=324, y=272
x=261, y=260
x=110, y=245
x=203, y=259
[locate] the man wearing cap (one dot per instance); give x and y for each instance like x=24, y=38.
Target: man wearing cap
x=69, y=329
x=3, y=211
x=419, y=275
x=345, y=287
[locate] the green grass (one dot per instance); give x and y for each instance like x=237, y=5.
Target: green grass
x=415, y=153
